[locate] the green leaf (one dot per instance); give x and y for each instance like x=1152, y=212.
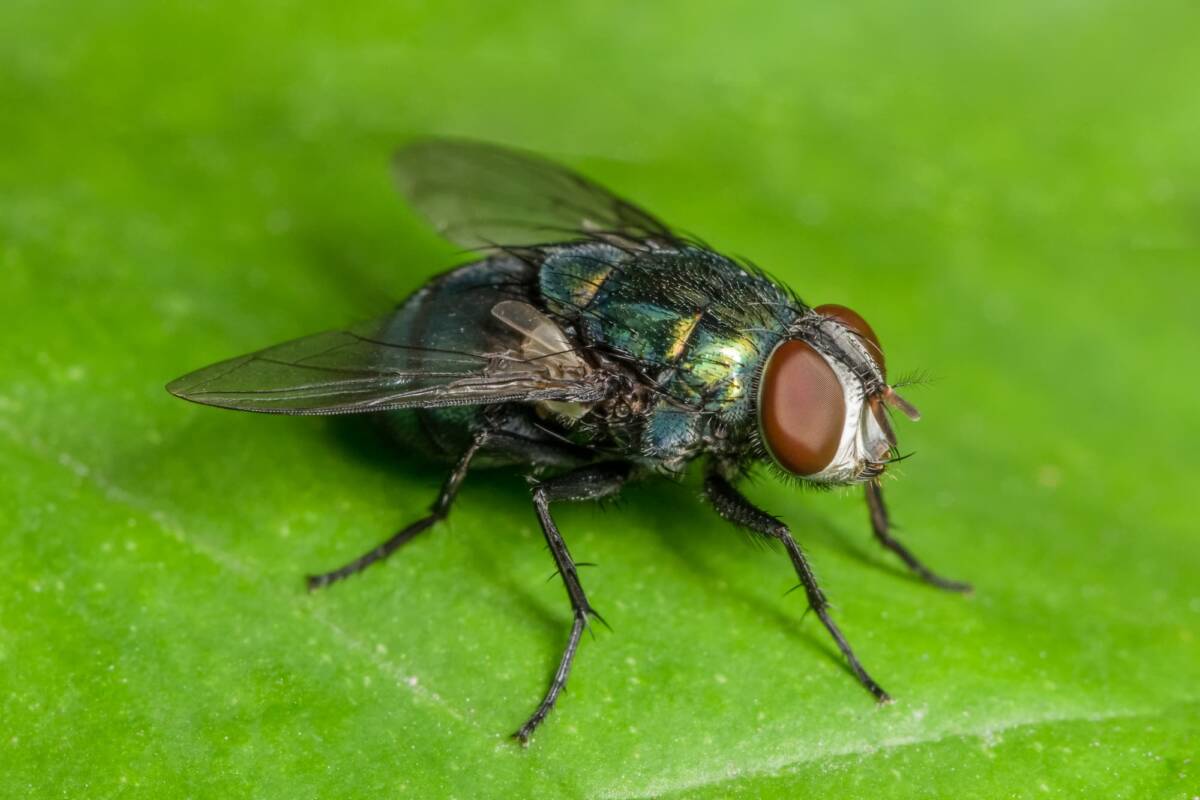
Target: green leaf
x=1007, y=191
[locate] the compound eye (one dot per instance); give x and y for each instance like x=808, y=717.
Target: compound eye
x=858, y=325
x=802, y=408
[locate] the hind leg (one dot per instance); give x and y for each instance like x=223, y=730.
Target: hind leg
x=437, y=512
x=503, y=443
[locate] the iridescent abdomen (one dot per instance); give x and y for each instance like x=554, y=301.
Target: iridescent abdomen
x=453, y=313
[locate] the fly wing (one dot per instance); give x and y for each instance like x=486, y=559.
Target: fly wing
x=365, y=368
x=483, y=195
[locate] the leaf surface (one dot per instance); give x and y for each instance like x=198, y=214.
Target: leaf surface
x=1008, y=194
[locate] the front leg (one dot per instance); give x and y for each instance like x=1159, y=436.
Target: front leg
x=881, y=524
x=731, y=505
x=586, y=483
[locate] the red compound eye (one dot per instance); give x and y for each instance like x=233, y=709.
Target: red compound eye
x=802, y=408
x=858, y=325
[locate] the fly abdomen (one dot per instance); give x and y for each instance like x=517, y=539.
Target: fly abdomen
x=452, y=314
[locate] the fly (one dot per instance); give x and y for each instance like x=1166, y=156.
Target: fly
x=591, y=340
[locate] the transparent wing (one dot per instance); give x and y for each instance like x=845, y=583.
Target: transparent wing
x=483, y=195
x=363, y=369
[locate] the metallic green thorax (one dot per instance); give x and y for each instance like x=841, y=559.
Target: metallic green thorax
x=697, y=325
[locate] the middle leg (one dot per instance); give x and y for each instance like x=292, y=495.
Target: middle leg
x=586, y=483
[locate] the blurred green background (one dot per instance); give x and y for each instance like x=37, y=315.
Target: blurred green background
x=1009, y=192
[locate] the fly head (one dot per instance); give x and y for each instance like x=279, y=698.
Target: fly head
x=822, y=400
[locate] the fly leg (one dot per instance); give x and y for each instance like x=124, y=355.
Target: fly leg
x=882, y=526
x=731, y=505
x=437, y=512
x=587, y=483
